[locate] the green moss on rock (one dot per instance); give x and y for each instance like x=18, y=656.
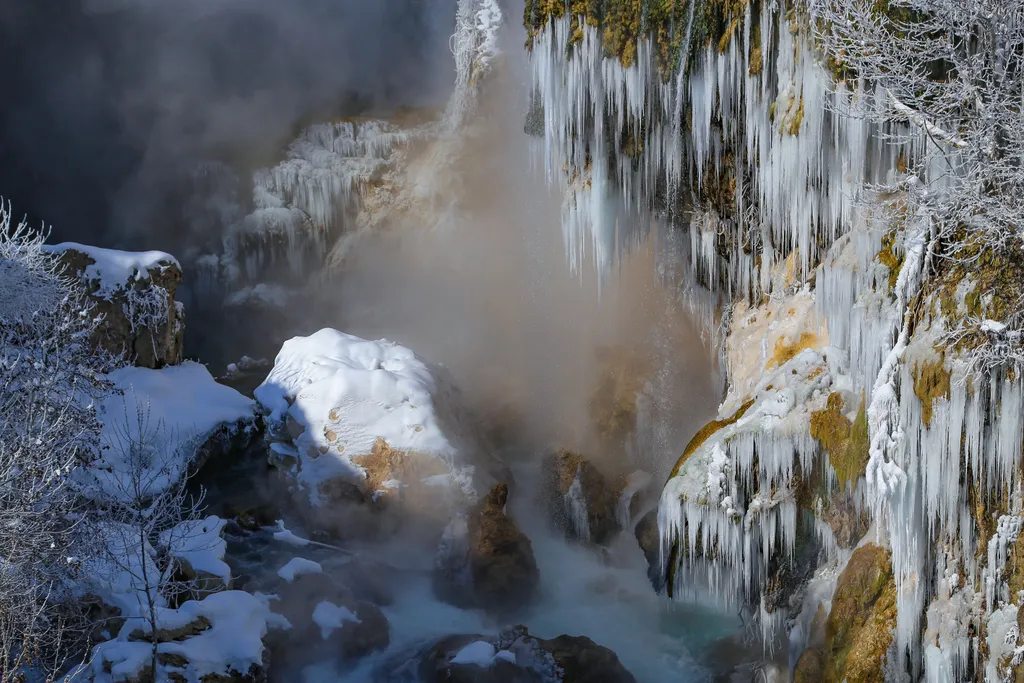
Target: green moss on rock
x=704, y=433
x=845, y=442
x=623, y=22
x=860, y=625
x=931, y=382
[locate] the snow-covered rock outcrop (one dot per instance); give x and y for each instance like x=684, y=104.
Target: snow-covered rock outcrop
x=134, y=293
x=350, y=417
x=156, y=424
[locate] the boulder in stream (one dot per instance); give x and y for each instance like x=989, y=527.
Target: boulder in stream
x=325, y=617
x=581, y=501
x=485, y=560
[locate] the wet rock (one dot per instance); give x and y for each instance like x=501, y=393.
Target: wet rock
x=140, y=316
x=349, y=639
x=256, y=518
x=613, y=404
x=584, y=661
x=848, y=523
x=810, y=668
x=581, y=501
x=788, y=574
x=105, y=619
x=485, y=561
x=649, y=537
x=859, y=628
x=371, y=633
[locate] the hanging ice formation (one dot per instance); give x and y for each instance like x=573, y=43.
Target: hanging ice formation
x=853, y=401
x=743, y=140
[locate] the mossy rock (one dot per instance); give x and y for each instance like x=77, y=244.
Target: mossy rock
x=623, y=22
x=860, y=625
x=705, y=432
x=810, y=668
x=845, y=442
x=931, y=382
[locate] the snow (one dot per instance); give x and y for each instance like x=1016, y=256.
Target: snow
x=992, y=326
x=199, y=543
x=285, y=536
x=481, y=653
x=173, y=410
x=114, y=269
x=344, y=393
x=329, y=617
x=119, y=571
x=234, y=641
x=297, y=566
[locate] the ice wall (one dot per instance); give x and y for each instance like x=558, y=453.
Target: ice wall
x=762, y=139
x=747, y=145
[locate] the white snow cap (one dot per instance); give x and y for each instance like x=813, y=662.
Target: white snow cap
x=345, y=393
x=114, y=269
x=297, y=566
x=329, y=617
x=482, y=654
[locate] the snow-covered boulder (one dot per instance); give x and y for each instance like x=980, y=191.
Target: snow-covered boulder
x=158, y=423
x=368, y=420
x=134, y=292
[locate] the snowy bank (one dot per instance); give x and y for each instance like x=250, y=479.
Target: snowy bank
x=173, y=413
x=369, y=413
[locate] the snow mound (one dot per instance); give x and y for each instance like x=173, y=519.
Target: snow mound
x=171, y=412
x=329, y=617
x=198, y=543
x=297, y=566
x=332, y=397
x=113, y=269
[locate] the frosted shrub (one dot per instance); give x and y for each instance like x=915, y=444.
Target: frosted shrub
x=50, y=380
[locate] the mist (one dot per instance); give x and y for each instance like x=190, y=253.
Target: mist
x=473, y=275
x=109, y=105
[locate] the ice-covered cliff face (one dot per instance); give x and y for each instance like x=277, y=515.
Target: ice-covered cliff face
x=857, y=398
x=330, y=181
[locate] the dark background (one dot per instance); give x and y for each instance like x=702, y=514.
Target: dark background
x=108, y=105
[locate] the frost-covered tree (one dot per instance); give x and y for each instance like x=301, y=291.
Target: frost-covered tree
x=152, y=522
x=50, y=380
x=953, y=70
